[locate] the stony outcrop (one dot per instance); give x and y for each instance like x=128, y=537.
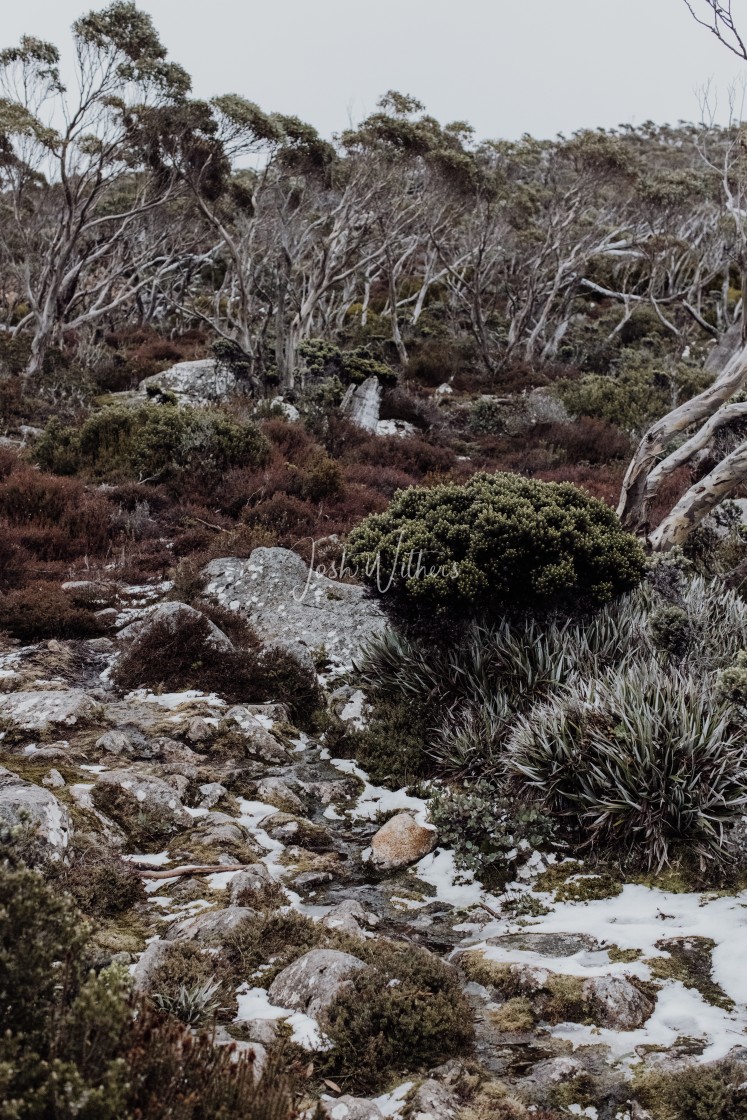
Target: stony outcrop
x=27, y=805
x=193, y=383
x=284, y=599
x=174, y=614
x=362, y=403
x=313, y=982
x=37, y=711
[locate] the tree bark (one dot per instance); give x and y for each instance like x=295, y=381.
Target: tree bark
x=700, y=500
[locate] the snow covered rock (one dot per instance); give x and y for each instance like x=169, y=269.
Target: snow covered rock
x=286, y=600
x=174, y=614
x=401, y=841
x=23, y=803
x=313, y=982
x=35, y=711
x=193, y=383
x=617, y=1003
x=362, y=404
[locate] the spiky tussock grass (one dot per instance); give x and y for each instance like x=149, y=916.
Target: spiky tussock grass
x=640, y=758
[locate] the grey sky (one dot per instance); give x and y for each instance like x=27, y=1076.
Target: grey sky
x=507, y=66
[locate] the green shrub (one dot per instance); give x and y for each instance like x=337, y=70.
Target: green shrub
x=76, y=1047
x=103, y=885
x=496, y=543
x=320, y=359
x=403, y=1012
x=636, y=393
x=392, y=747
x=491, y=835
x=640, y=759
x=151, y=443
x=704, y=1092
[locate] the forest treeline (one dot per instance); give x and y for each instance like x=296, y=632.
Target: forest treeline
x=126, y=201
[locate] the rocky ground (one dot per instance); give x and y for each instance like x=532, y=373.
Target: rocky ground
x=577, y=985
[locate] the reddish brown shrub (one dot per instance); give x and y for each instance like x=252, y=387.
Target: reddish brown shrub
x=587, y=440
x=43, y=610
x=53, y=518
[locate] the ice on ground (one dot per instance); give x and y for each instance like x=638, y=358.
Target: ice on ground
x=638, y=918
x=458, y=888
x=173, y=700
x=377, y=799
x=254, y=1003
x=153, y=859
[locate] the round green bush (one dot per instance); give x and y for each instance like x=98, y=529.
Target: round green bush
x=151, y=442
x=497, y=542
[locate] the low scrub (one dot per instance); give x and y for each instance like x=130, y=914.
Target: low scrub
x=496, y=543
x=75, y=1044
x=176, y=654
x=151, y=443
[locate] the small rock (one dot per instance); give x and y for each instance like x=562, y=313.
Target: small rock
x=277, y=792
x=311, y=879
x=174, y=614
x=211, y=793
x=199, y=731
x=401, y=841
x=351, y=1108
x=433, y=1101
x=313, y=982
x=154, y=956
x=54, y=780
x=130, y=743
x=25, y=804
x=617, y=1003
x=348, y=917
x=210, y=926
x=254, y=878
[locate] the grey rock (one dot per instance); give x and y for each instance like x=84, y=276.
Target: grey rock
x=349, y=917
x=210, y=926
x=53, y=780
x=617, y=1003
x=210, y=794
x=254, y=878
x=401, y=842
x=23, y=803
x=547, y=1075
x=36, y=711
x=284, y=600
x=153, y=793
x=173, y=614
x=259, y=742
x=154, y=956
x=277, y=792
x=362, y=404
x=547, y=944
x=200, y=382
x=351, y=1108
x=309, y=879
x=198, y=731
x=311, y=983
x=129, y=743
x=433, y=1101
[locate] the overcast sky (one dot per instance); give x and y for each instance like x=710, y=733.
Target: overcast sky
x=506, y=66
